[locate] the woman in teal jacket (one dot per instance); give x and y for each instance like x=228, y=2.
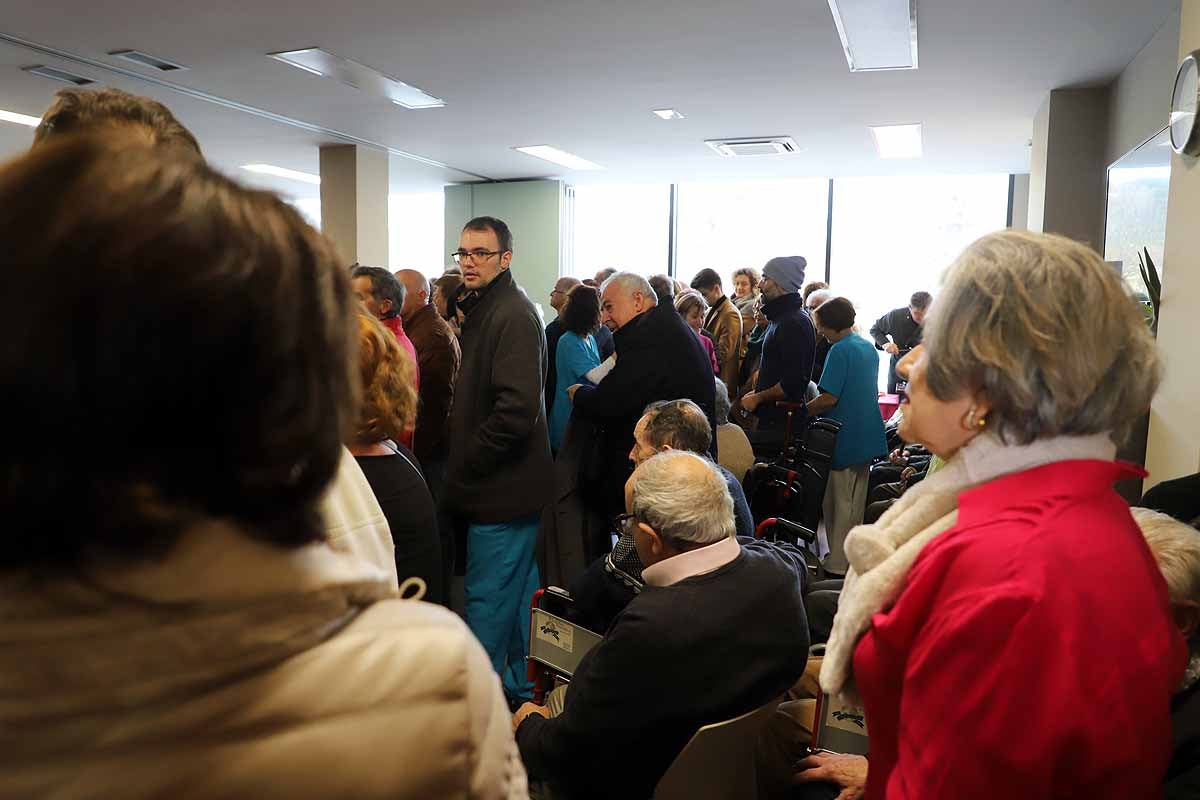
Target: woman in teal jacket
x=576, y=354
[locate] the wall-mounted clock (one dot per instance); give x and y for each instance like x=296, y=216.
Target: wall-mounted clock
x=1185, y=132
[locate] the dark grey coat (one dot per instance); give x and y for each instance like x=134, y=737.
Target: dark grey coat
x=500, y=467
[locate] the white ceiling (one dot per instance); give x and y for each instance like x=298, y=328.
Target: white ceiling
x=583, y=76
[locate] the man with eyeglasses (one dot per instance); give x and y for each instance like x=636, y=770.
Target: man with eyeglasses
x=499, y=462
x=609, y=583
x=558, y=301
x=718, y=630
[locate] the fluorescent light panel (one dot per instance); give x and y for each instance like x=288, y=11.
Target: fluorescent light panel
x=667, y=113
x=897, y=141
x=147, y=60
x=556, y=156
x=877, y=34
x=56, y=74
x=358, y=76
x=20, y=119
x=283, y=172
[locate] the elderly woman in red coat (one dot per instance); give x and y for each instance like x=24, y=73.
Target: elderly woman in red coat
x=1004, y=624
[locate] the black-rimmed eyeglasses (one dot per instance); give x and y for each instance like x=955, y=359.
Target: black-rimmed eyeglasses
x=475, y=256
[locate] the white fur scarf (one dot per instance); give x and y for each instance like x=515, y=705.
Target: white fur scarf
x=881, y=554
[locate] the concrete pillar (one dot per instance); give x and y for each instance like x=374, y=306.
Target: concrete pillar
x=354, y=202
x=1067, y=165
x=1174, y=444
x=1020, y=202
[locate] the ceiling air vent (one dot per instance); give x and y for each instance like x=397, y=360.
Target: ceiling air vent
x=147, y=60
x=56, y=74
x=756, y=146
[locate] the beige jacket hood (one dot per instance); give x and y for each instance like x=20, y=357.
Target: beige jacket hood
x=237, y=669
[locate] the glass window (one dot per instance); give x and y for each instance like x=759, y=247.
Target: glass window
x=625, y=227
x=727, y=226
x=1136, y=216
x=896, y=236
x=416, y=232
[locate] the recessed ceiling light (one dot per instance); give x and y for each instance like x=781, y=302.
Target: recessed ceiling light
x=147, y=60
x=282, y=172
x=877, y=34
x=56, y=74
x=560, y=157
x=20, y=119
x=667, y=113
x=897, y=141
x=359, y=76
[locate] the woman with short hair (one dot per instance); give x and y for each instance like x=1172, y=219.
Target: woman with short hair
x=745, y=290
x=175, y=618
x=691, y=307
x=576, y=354
x=1004, y=623
x=849, y=394
x=386, y=411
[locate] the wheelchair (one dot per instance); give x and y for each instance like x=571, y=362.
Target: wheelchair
x=556, y=644
x=793, y=484
x=717, y=763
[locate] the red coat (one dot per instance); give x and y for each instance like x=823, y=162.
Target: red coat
x=396, y=326
x=1030, y=655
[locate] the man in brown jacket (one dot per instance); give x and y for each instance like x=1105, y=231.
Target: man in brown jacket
x=724, y=323
x=438, y=357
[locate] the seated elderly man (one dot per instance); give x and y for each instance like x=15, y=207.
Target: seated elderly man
x=717, y=631
x=1176, y=548
x=611, y=582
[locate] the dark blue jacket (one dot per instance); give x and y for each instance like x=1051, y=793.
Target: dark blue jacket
x=788, y=351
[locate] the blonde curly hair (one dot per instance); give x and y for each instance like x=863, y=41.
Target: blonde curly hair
x=1048, y=332
x=389, y=401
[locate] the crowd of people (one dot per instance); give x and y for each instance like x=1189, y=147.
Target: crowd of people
x=241, y=475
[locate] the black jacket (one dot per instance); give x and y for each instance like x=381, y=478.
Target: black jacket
x=499, y=446
x=788, y=351
x=905, y=332
x=658, y=358
x=706, y=649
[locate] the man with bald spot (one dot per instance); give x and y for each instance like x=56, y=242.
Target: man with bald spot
x=438, y=357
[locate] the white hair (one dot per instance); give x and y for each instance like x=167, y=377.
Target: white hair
x=681, y=507
x=1176, y=548
x=723, y=404
x=819, y=296
x=631, y=283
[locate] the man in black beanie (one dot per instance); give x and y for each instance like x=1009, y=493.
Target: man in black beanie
x=789, y=348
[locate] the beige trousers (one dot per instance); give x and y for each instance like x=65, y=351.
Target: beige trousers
x=843, y=508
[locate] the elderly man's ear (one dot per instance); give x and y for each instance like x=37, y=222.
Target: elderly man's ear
x=1187, y=617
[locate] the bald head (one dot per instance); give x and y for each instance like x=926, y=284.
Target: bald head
x=416, y=292
x=562, y=288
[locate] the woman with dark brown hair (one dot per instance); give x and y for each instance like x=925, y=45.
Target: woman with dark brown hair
x=389, y=404
x=175, y=618
x=576, y=354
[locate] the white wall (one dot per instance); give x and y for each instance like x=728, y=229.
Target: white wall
x=1174, y=445
x=1141, y=96
x=533, y=211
